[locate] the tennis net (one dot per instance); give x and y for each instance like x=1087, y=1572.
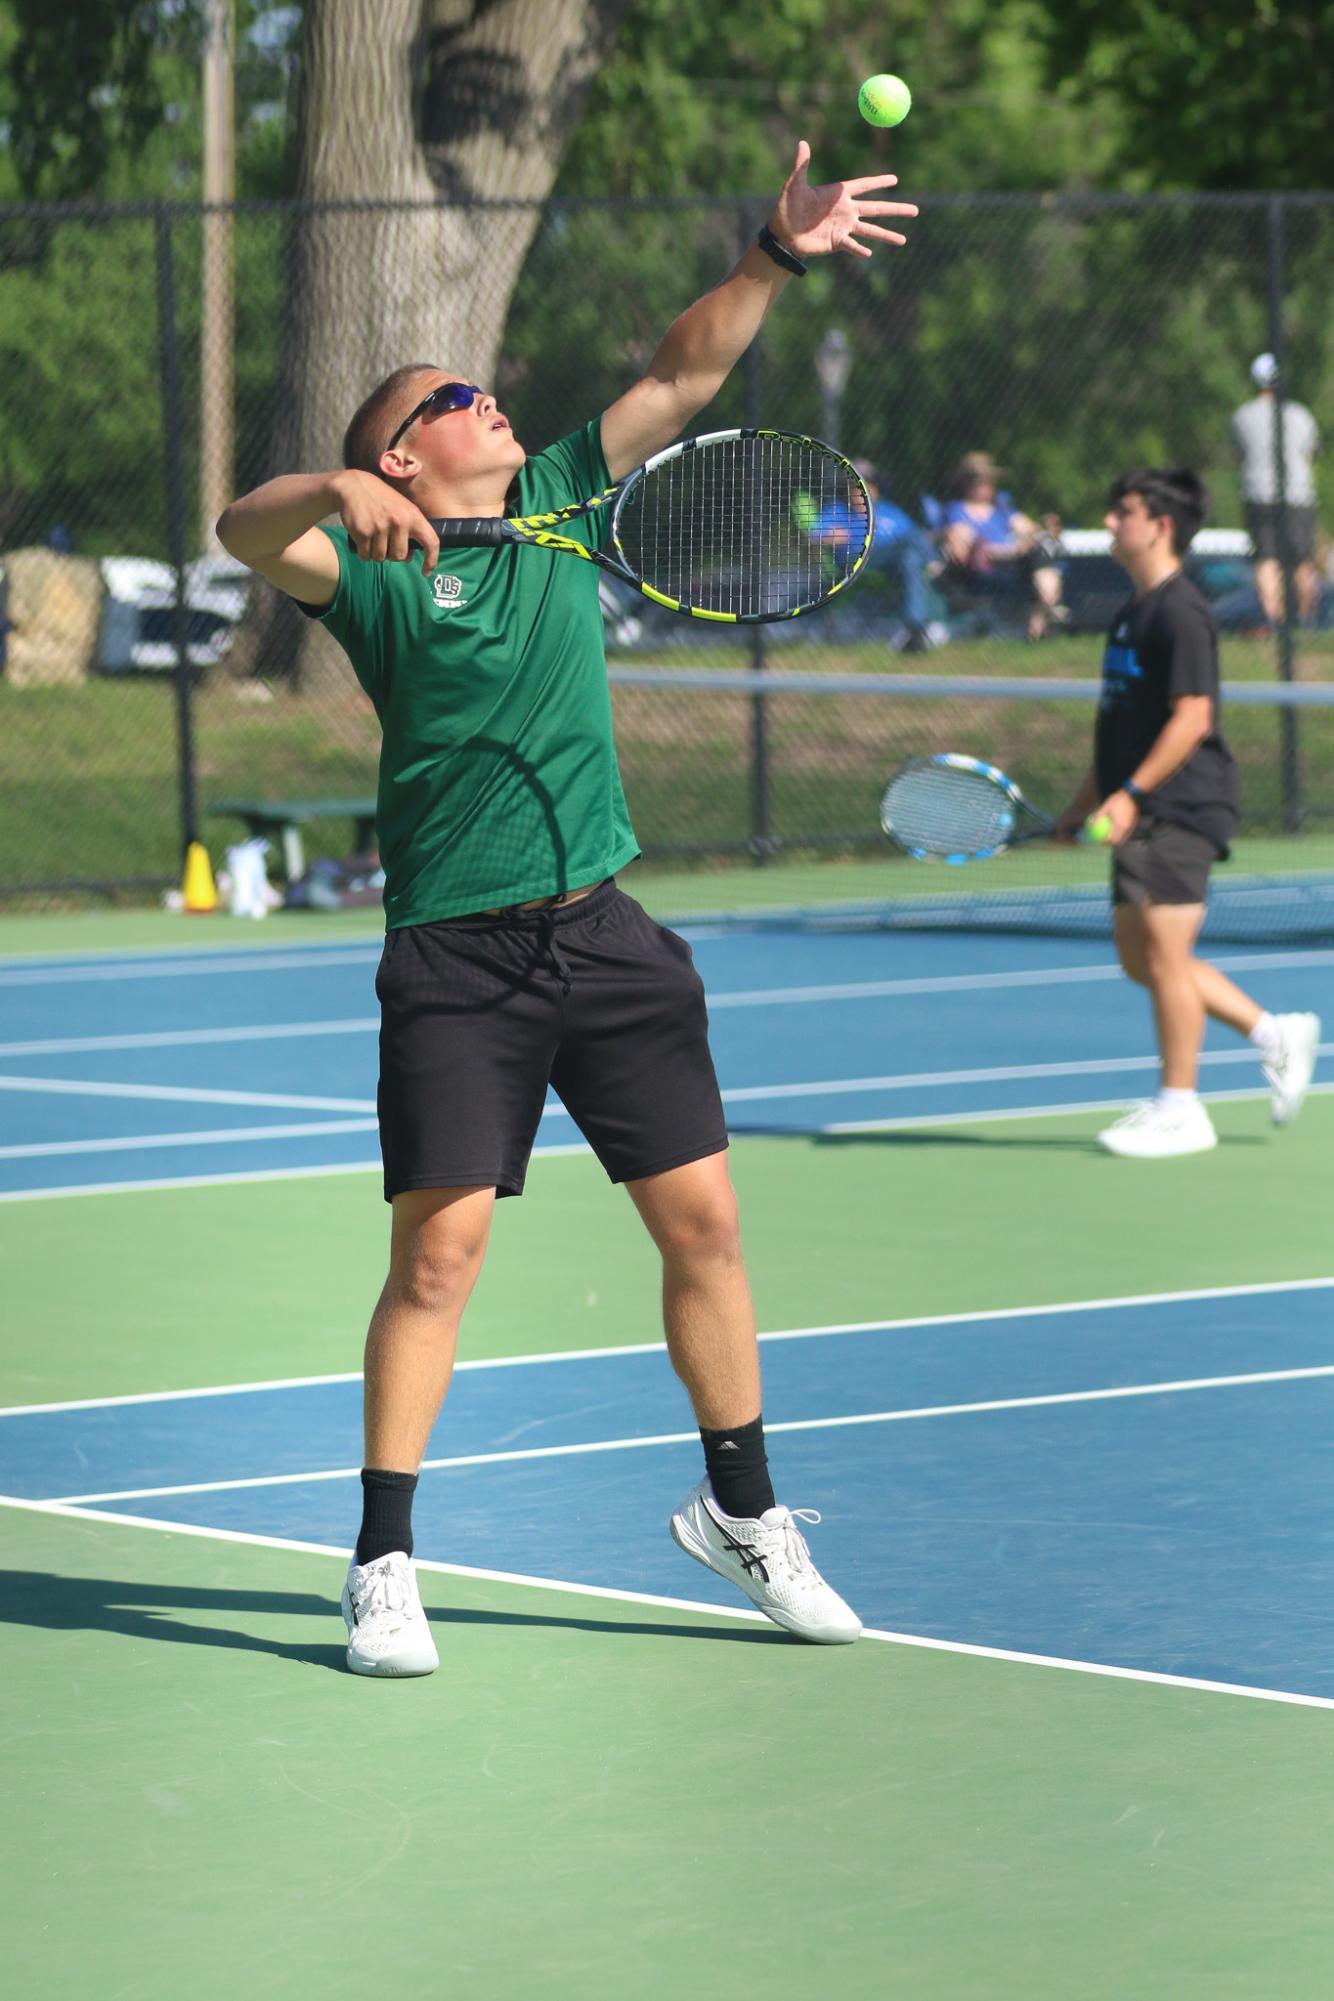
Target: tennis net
x=756, y=796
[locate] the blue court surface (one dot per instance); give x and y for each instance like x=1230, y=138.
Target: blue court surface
x=156, y=1068
x=1143, y=1485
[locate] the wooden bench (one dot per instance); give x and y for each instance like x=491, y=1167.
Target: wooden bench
x=284, y=818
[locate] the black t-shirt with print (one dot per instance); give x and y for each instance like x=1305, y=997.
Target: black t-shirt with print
x=1161, y=647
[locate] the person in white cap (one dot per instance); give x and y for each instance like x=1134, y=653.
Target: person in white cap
x=1253, y=440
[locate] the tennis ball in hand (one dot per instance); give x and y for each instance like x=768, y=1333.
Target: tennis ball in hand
x=1099, y=829
x=884, y=100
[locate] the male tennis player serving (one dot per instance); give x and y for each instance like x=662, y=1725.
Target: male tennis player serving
x=512, y=960
x=1167, y=783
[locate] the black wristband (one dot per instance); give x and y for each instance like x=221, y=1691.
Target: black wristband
x=1132, y=791
x=780, y=253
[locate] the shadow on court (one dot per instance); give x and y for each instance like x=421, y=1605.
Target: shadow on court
x=150, y=1612
x=928, y=1136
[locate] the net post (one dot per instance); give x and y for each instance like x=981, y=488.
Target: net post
x=761, y=838
x=173, y=454
x=1290, y=768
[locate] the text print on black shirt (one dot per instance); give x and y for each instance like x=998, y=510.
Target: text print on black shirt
x=1163, y=646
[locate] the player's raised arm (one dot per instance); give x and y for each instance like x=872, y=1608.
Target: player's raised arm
x=273, y=530
x=699, y=349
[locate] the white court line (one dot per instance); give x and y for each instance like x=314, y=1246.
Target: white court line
x=849, y=1128
x=758, y=997
x=949, y=983
x=160, y=1183
x=911, y=1324
x=223, y=1136
x=520, y=1453
x=277, y=960
x=156, y=1184
x=315, y=957
x=189, y=1038
x=1008, y=1073
x=609, y=1593
x=741, y=1094
x=71, y=1087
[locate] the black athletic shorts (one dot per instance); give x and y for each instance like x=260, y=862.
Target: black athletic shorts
x=1159, y=862
x=479, y=1014
x=1262, y=521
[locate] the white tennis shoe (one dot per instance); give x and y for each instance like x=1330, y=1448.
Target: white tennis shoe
x=1154, y=1131
x=387, y=1633
x=770, y=1562
x=1288, y=1073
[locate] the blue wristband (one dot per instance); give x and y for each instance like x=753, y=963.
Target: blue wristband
x=1132, y=791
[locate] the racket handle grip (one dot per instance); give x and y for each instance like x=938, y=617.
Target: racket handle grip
x=486, y=532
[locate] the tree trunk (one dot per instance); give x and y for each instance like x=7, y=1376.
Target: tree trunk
x=451, y=117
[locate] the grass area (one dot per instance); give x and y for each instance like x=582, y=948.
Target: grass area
x=1244, y=656
x=89, y=774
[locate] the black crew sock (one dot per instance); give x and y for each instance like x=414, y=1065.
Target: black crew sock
x=739, y=1470
x=386, y=1513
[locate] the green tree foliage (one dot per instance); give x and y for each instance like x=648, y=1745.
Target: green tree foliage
x=698, y=96
x=1235, y=94
x=101, y=98
x=1066, y=338
x=92, y=116
x=84, y=85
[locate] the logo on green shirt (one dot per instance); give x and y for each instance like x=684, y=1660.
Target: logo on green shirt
x=448, y=592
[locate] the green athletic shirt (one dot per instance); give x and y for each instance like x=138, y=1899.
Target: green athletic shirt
x=498, y=776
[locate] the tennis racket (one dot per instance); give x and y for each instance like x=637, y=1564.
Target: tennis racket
x=956, y=809
x=741, y=526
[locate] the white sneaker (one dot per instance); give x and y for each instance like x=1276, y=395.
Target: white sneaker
x=386, y=1626
x=769, y=1559
x=1289, y=1073
x=1154, y=1131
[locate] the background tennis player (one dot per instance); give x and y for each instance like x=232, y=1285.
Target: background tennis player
x=1165, y=778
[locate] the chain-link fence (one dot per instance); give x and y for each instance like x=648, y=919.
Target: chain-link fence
x=161, y=358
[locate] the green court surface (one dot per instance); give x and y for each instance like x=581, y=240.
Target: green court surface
x=125, y=1292
x=668, y=893
x=594, y=1797
x=598, y=1800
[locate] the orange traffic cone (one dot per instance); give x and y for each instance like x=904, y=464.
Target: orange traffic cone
x=200, y=891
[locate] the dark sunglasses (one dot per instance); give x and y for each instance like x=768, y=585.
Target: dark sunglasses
x=448, y=396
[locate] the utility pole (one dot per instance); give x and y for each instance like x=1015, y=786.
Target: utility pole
x=833, y=365
x=217, y=327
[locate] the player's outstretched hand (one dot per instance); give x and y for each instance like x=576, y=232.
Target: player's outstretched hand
x=814, y=222
x=384, y=525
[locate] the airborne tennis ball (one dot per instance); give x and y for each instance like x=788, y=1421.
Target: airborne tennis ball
x=1099, y=829
x=884, y=100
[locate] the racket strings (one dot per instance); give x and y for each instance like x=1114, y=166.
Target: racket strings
x=943, y=811
x=746, y=526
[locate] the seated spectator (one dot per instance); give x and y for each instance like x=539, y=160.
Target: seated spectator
x=901, y=550
x=988, y=541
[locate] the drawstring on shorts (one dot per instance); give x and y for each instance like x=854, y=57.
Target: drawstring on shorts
x=546, y=928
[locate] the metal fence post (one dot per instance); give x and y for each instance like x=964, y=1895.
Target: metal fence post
x=173, y=456
x=762, y=844
x=1291, y=772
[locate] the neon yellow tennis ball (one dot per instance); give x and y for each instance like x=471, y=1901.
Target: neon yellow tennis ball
x=884, y=100
x=1099, y=829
